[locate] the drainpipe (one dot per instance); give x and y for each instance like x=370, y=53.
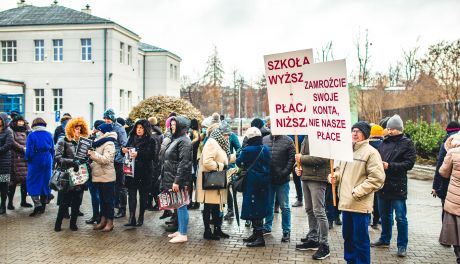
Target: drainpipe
x=105, y=69
x=24, y=99
x=143, y=78
x=91, y=113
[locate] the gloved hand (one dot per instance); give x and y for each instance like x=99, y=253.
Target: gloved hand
x=225, y=167
x=76, y=165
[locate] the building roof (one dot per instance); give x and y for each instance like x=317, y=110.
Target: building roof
x=29, y=15
x=150, y=48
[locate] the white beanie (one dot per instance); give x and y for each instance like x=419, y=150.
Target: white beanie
x=253, y=132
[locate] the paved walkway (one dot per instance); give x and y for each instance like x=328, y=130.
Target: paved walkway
x=32, y=240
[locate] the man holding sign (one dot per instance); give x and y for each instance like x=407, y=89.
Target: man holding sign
x=358, y=180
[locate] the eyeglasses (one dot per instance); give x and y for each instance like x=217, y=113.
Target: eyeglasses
x=356, y=131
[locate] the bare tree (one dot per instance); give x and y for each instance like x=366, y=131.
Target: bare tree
x=411, y=67
x=394, y=74
x=363, y=59
x=443, y=63
x=326, y=53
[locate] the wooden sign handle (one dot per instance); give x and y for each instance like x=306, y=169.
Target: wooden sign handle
x=297, y=149
x=334, y=201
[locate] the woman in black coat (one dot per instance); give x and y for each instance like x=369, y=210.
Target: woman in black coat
x=6, y=143
x=140, y=139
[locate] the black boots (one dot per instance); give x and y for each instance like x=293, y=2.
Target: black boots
x=132, y=219
x=24, y=202
x=93, y=220
x=258, y=239
x=140, y=219
x=217, y=228
x=208, y=235
x=251, y=238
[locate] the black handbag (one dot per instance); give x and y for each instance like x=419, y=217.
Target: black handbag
x=239, y=181
x=214, y=180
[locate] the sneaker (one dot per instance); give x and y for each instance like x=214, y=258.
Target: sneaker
x=266, y=232
x=297, y=204
x=174, y=234
x=322, y=252
x=304, y=240
x=402, y=252
x=331, y=224
x=309, y=245
x=380, y=244
x=247, y=223
x=375, y=226
x=286, y=237
x=178, y=239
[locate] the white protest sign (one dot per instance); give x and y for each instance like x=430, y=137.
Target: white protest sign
x=285, y=84
x=328, y=110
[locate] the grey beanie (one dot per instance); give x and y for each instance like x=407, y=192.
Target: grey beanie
x=395, y=122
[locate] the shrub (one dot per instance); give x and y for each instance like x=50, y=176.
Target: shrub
x=426, y=137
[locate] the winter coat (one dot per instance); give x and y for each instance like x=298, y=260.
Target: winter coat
x=376, y=142
x=358, y=180
x=146, y=154
x=102, y=167
x=39, y=156
x=213, y=158
x=399, y=152
x=157, y=135
x=440, y=184
x=177, y=167
x=313, y=168
x=18, y=162
x=282, y=151
x=256, y=194
x=6, y=144
x=451, y=168
x=59, y=132
x=121, y=141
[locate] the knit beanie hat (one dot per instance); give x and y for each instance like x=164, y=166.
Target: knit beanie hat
x=364, y=127
x=376, y=131
x=104, y=128
x=383, y=122
x=225, y=128
x=252, y=132
x=257, y=122
x=395, y=122
x=97, y=123
x=121, y=121
x=109, y=114
x=215, y=118
x=452, y=126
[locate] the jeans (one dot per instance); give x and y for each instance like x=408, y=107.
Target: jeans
x=298, y=186
x=375, y=211
x=280, y=191
x=314, y=206
x=96, y=202
x=332, y=211
x=106, y=192
x=182, y=217
x=386, y=208
x=357, y=245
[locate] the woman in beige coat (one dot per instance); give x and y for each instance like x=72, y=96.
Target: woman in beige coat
x=215, y=157
x=450, y=232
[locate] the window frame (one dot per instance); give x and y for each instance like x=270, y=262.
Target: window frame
x=39, y=100
x=5, y=47
x=86, y=50
x=122, y=52
x=58, y=50
x=58, y=99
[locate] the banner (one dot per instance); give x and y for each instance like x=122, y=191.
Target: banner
x=285, y=87
x=328, y=110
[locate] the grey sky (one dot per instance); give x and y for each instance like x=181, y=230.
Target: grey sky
x=245, y=30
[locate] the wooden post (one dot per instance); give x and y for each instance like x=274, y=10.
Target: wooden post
x=334, y=201
x=297, y=149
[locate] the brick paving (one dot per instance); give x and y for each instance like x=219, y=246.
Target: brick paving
x=24, y=239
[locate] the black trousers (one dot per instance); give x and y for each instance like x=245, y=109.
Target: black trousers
x=120, y=188
x=3, y=192
x=298, y=186
x=132, y=200
x=208, y=210
x=12, y=191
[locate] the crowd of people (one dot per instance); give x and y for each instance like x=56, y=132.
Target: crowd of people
x=370, y=190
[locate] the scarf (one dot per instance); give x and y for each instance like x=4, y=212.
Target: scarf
x=39, y=128
x=217, y=135
x=101, y=141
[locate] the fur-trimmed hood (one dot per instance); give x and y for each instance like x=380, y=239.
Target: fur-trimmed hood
x=74, y=122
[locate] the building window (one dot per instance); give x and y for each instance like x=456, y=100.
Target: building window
x=175, y=72
x=171, y=71
x=57, y=99
x=122, y=101
x=39, y=100
x=130, y=100
x=39, y=50
x=58, y=50
x=130, y=55
x=86, y=49
x=122, y=52
x=9, y=52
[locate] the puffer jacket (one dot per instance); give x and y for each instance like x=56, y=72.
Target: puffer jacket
x=6, y=143
x=313, y=168
x=358, y=180
x=399, y=152
x=440, y=183
x=451, y=168
x=18, y=162
x=122, y=139
x=102, y=168
x=282, y=151
x=177, y=167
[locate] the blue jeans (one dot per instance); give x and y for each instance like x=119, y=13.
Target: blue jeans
x=281, y=191
x=107, y=192
x=386, y=208
x=95, y=198
x=182, y=217
x=357, y=245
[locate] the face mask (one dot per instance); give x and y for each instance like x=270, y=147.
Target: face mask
x=98, y=134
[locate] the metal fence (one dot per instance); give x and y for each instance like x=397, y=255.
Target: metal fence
x=439, y=113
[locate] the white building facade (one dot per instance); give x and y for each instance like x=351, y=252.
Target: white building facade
x=63, y=60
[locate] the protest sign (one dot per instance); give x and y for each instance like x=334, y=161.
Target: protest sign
x=83, y=146
x=285, y=85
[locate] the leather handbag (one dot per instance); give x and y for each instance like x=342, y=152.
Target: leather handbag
x=239, y=181
x=214, y=180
